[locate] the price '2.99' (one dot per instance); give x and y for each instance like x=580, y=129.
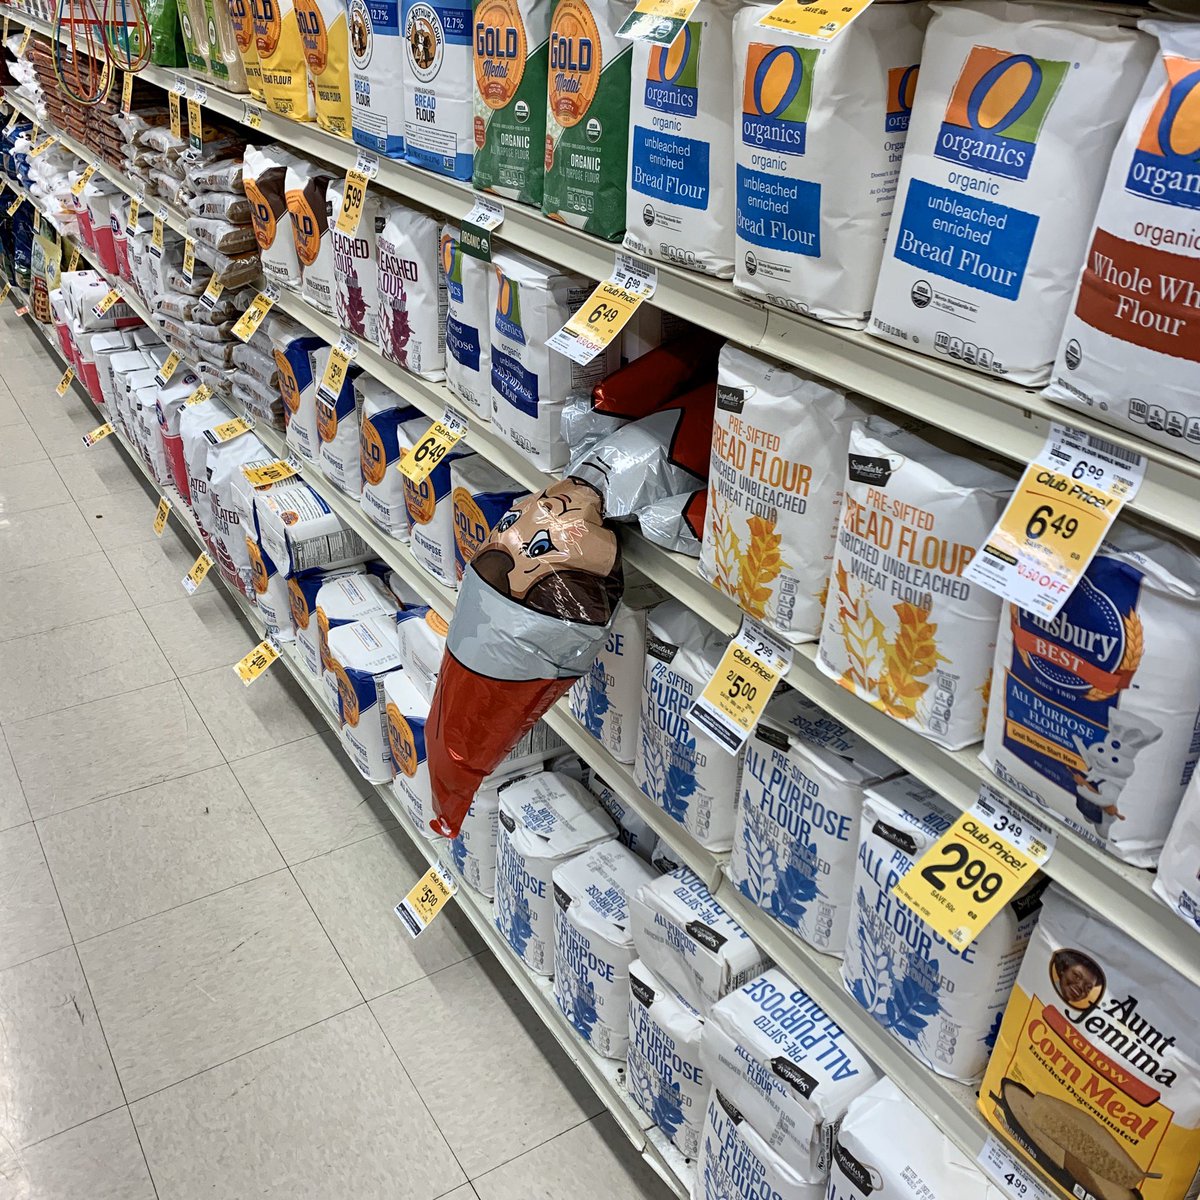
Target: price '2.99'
x=965, y=871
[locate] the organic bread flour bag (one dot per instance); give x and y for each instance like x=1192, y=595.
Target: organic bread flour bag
x=356, y=265
x=1017, y=113
x=941, y=1004
x=632, y=829
x=326, y=42
x=431, y=510
x=688, y=774
x=1093, y=713
x=775, y=489
x=822, y=132
x=796, y=838
x=382, y=443
x=264, y=171
x=468, y=325
x=306, y=187
x=1177, y=881
x=903, y=630
x=587, y=117
x=281, y=59
x=361, y=654
x=592, y=943
x=439, y=111
x=680, y=198
x=511, y=55
x=786, y=1065
x=1130, y=351
x=377, y=76
x=1096, y=1073
x=412, y=291
x=480, y=497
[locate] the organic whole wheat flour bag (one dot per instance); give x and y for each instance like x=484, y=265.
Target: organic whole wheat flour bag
x=382, y=443
x=1015, y=119
x=306, y=187
x=941, y=1004
x=361, y=655
x=439, y=109
x=1096, y=1073
x=1177, y=880
x=775, y=489
x=431, y=510
x=1093, y=714
x=281, y=59
x=822, y=132
x=680, y=198
x=587, y=117
x=264, y=172
x=326, y=43
x=468, y=325
x=377, y=76
x=1130, y=351
x=511, y=56
x=903, y=630
x=481, y=495
x=356, y=265
x=412, y=291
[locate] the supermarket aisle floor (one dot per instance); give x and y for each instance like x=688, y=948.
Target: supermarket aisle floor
x=203, y=991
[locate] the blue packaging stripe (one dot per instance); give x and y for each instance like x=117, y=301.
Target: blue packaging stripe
x=670, y=168
x=779, y=213
x=389, y=147
x=518, y=386
x=462, y=343
x=460, y=166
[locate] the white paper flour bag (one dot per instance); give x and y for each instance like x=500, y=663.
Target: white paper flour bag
x=1130, y=351
x=340, y=598
x=680, y=200
x=292, y=349
x=468, y=325
x=1093, y=714
x=431, y=510
x=382, y=443
x=1018, y=109
x=264, y=172
x=339, y=450
x=406, y=713
x=307, y=190
x=377, y=76
x=361, y=654
x=903, y=630
x=356, y=265
x=480, y=496
x=439, y=112
x=473, y=852
x=424, y=644
x=412, y=292
x=300, y=531
x=1177, y=881
x=822, y=132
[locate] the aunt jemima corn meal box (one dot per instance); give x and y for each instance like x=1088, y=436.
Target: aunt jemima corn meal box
x=1096, y=1072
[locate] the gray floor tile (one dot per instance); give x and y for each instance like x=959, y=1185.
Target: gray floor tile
x=466, y=1192
x=64, y=591
x=19, y=444
x=121, y=518
x=31, y=485
x=31, y=920
x=10, y=413
x=152, y=571
x=326, y=1112
x=44, y=535
x=99, y=471
x=199, y=632
x=13, y=809
x=135, y=855
x=190, y=988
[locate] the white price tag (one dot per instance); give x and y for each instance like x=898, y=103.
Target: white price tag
x=475, y=234
x=367, y=164
x=180, y=86
x=607, y=311
x=1016, y=1179
x=199, y=93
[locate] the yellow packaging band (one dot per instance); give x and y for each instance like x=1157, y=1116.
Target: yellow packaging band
x=65, y=381
x=256, y=662
x=160, y=517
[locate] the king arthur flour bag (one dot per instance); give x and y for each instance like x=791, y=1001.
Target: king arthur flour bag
x=281, y=59
x=326, y=42
x=431, y=510
x=1136, y=313
x=941, y=1004
x=356, y=265
x=983, y=254
x=480, y=495
x=439, y=115
x=264, y=170
x=903, y=630
x=679, y=202
x=361, y=654
x=1096, y=1072
x=377, y=76
x=300, y=531
x=1093, y=713
x=1177, y=881
x=468, y=325
x=382, y=443
x=412, y=292
x=775, y=489
x=306, y=188
x=822, y=132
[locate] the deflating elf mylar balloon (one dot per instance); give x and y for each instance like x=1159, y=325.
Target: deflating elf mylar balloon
x=533, y=611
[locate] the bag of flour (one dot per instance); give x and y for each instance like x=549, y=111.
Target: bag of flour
x=341, y=598
x=439, y=113
x=270, y=592
x=544, y=820
x=939, y=1003
x=224, y=465
x=326, y=43
x=193, y=421
x=424, y=643
x=632, y=830
x=431, y=510
x=775, y=489
x=339, y=453
x=468, y=326
x=377, y=76
x=281, y=59
x=1096, y=1072
x=982, y=258
x=688, y=774
x=292, y=348
x=775, y=1054
x=1130, y=352
x=473, y=852
x=480, y=495
x=511, y=55
x=264, y=170
x=592, y=944
x=823, y=125
x=1177, y=881
x=406, y=712
x=361, y=655
x=382, y=443
x=796, y=839
x=356, y=265
x=243, y=30
x=300, y=531
x=587, y=117
x=306, y=188
x=903, y=630
x=1093, y=713
x=412, y=292
x=680, y=198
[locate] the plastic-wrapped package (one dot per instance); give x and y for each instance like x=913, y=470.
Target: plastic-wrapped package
x=306, y=187
x=224, y=60
x=412, y=292
x=356, y=265
x=326, y=43
x=468, y=326
x=264, y=180
x=480, y=495
x=382, y=442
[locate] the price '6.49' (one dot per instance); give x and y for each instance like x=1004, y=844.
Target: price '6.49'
x=1045, y=518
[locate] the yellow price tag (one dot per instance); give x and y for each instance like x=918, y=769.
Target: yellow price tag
x=189, y=259
x=256, y=662
x=127, y=92
x=427, y=898
x=4, y=293
x=202, y=393
x=212, y=293
x=12, y=208
x=74, y=260
x=265, y=474
x=163, y=374
x=110, y=298
x=43, y=145
x=98, y=434
x=336, y=367
x=135, y=208
x=417, y=463
x=65, y=381
x=247, y=324
x=195, y=577
x=83, y=180
x=160, y=517
x=25, y=41
x=176, y=116
x=227, y=430
x=354, y=195
x=657, y=21
x=821, y=20
x=195, y=123
x=12, y=120
x=607, y=311
x=156, y=234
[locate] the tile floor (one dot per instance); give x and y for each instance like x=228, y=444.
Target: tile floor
x=203, y=991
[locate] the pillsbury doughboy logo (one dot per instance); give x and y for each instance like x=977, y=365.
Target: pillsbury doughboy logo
x=777, y=95
x=673, y=73
x=1166, y=163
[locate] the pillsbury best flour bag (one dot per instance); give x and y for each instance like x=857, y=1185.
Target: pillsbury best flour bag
x=468, y=325
x=1016, y=116
x=819, y=143
x=438, y=106
x=377, y=75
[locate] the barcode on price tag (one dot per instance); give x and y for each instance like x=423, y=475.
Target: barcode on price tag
x=189, y=259
x=110, y=298
x=195, y=117
x=607, y=311
x=195, y=577
x=427, y=898
x=228, y=430
x=251, y=116
x=1016, y=1179
x=417, y=463
x=262, y=475
x=657, y=21
x=98, y=434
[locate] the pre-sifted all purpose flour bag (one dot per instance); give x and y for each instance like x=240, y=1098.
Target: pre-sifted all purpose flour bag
x=438, y=105
x=1017, y=113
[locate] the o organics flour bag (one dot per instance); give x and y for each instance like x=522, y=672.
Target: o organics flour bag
x=468, y=325
x=822, y=132
x=439, y=110
x=903, y=630
x=1016, y=116
x=281, y=59
x=587, y=117
x=1130, y=352
x=326, y=42
x=377, y=75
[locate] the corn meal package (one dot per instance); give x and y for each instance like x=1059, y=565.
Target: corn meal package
x=1136, y=312
x=468, y=326
x=511, y=55
x=983, y=253
x=480, y=496
x=775, y=489
x=680, y=199
x=361, y=655
x=356, y=265
x=587, y=117
x=377, y=76
x=431, y=510
x=264, y=173
x=326, y=42
x=412, y=292
x=382, y=443
x=306, y=189
x=1177, y=881
x=243, y=30
x=823, y=125
x=941, y=1004
x=1093, y=713
x=1096, y=1073
x=439, y=113
x=903, y=630
x=339, y=450
x=281, y=59
x=797, y=832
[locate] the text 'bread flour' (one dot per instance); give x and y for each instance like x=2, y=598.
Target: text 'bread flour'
x=412, y=292
x=481, y=495
x=468, y=325
x=438, y=104
x=326, y=41
x=281, y=59
x=377, y=76
x=1018, y=110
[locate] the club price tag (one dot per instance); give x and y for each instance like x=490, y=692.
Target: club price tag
x=264, y=474
x=256, y=662
x=25, y=41
x=156, y=236
x=251, y=116
x=657, y=21
x=354, y=192
x=1058, y=516
x=74, y=261
x=1017, y=1179
x=202, y=393
x=135, y=208
x=247, y=324
x=12, y=208
x=176, y=116
x=195, y=577
x=336, y=367
x=83, y=180
x=127, y=92
x=13, y=119
x=426, y=900
x=4, y=293
x=745, y=678
x=606, y=311
x=195, y=122
x=4, y=35
x=110, y=298
x=417, y=463
x=212, y=293
x=189, y=259
x=160, y=517
x=475, y=237
x=98, y=434
x=43, y=145
x=65, y=381
x=163, y=374
x=228, y=430
x=824, y=21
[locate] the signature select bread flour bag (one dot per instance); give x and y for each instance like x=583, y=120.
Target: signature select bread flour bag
x=1096, y=1073
x=1130, y=352
x=679, y=202
x=306, y=188
x=468, y=325
x=775, y=489
x=941, y=1004
x=1017, y=113
x=822, y=132
x=1093, y=713
x=264, y=172
x=412, y=292
x=376, y=76
x=439, y=113
x=326, y=42
x=480, y=497
x=903, y=630
x=281, y=59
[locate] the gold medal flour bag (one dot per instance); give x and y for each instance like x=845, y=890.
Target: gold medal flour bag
x=326, y=45
x=281, y=59
x=264, y=178
x=306, y=188
x=243, y=29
